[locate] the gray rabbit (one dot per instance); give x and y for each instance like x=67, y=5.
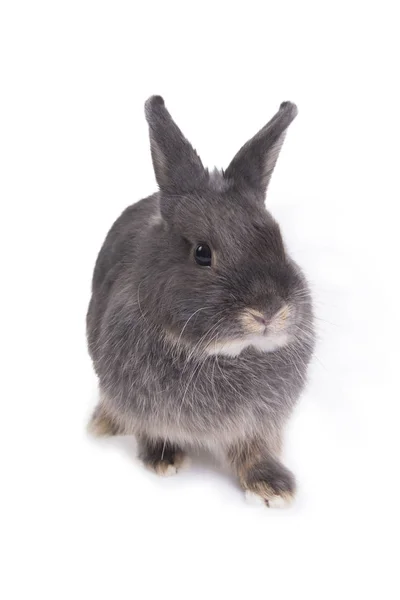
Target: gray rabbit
x=200, y=325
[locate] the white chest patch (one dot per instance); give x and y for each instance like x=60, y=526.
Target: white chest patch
x=260, y=342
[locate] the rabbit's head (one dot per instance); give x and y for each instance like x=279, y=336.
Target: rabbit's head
x=216, y=275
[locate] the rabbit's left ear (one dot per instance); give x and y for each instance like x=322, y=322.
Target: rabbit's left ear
x=177, y=166
x=254, y=163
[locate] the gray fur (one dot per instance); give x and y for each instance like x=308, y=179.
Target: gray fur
x=154, y=312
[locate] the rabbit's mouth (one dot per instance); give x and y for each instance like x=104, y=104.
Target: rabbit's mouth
x=258, y=331
x=263, y=343
x=261, y=323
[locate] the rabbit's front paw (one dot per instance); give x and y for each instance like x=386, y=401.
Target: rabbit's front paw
x=161, y=457
x=271, y=484
x=165, y=467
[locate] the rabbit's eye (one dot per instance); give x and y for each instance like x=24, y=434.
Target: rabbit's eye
x=202, y=255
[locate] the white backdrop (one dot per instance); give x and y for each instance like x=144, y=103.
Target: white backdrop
x=83, y=519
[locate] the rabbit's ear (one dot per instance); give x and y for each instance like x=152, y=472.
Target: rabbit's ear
x=255, y=161
x=177, y=166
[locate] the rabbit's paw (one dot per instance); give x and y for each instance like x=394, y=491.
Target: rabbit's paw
x=161, y=457
x=271, y=485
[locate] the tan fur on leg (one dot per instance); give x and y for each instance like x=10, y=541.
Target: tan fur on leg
x=261, y=474
x=101, y=424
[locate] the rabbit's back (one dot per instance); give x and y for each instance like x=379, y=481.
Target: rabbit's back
x=118, y=253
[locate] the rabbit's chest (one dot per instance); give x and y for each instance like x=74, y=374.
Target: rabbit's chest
x=212, y=398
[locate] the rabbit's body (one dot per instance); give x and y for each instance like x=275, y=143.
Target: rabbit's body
x=212, y=355
x=152, y=385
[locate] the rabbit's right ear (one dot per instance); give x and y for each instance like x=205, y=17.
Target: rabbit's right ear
x=253, y=164
x=177, y=166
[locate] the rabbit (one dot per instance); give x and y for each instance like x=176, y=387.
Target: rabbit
x=200, y=325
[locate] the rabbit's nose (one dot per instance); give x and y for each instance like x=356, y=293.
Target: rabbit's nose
x=260, y=318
